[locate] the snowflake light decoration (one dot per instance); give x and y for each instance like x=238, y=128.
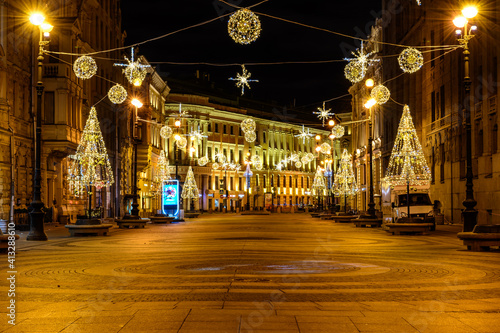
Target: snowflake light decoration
x=244, y=26
x=197, y=135
x=304, y=135
x=135, y=72
x=324, y=114
x=243, y=79
x=181, y=114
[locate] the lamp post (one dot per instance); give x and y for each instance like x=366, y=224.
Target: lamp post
x=248, y=174
x=371, y=204
x=470, y=213
x=36, y=213
x=135, y=205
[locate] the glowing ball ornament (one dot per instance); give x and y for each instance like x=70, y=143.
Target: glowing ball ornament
x=85, y=67
x=298, y=165
x=117, y=94
x=182, y=142
x=166, y=132
x=221, y=157
x=256, y=159
x=248, y=125
x=325, y=148
x=304, y=159
x=135, y=74
x=310, y=156
x=250, y=136
x=381, y=94
x=258, y=166
x=410, y=60
x=354, y=71
x=202, y=161
x=244, y=26
x=338, y=131
x=215, y=166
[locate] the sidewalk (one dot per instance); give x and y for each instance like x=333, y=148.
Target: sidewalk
x=233, y=273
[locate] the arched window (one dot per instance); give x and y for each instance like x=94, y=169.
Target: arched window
x=494, y=139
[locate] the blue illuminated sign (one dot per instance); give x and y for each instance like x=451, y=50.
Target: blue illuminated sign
x=170, y=197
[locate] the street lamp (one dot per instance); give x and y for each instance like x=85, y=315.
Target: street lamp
x=36, y=213
x=469, y=214
x=248, y=174
x=135, y=205
x=368, y=105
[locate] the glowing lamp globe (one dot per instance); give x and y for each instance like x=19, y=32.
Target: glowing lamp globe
x=469, y=12
x=460, y=21
x=37, y=19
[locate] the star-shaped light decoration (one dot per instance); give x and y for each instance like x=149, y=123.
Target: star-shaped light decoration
x=135, y=72
x=243, y=79
x=362, y=57
x=304, y=135
x=180, y=114
x=419, y=2
x=197, y=135
x=324, y=114
x=356, y=68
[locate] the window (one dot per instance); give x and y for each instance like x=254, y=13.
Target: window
x=224, y=129
x=225, y=152
x=433, y=166
x=209, y=127
x=264, y=137
x=209, y=153
x=443, y=159
x=433, y=106
x=49, y=107
x=239, y=131
x=264, y=180
x=210, y=185
x=494, y=139
x=217, y=182
x=290, y=183
x=216, y=128
x=231, y=152
x=272, y=180
x=240, y=187
x=232, y=131
x=232, y=184
x=284, y=181
x=257, y=180
x=307, y=182
x=442, y=102
x=278, y=183
x=240, y=157
x=302, y=182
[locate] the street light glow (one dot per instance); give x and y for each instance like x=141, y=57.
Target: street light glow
x=460, y=21
x=137, y=103
x=46, y=27
x=37, y=18
x=371, y=102
x=318, y=137
x=331, y=122
x=178, y=123
x=469, y=12
x=369, y=83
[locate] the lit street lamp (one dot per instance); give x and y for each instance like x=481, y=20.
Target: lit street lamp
x=248, y=174
x=135, y=205
x=469, y=214
x=36, y=213
x=369, y=104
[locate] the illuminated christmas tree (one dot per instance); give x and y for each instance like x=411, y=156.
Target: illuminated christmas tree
x=162, y=174
x=319, y=184
x=91, y=165
x=345, y=181
x=407, y=165
x=190, y=190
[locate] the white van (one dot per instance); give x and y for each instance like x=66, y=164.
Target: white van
x=420, y=206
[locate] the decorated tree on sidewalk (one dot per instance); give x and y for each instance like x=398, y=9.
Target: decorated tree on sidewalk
x=91, y=167
x=345, y=181
x=407, y=165
x=190, y=190
x=162, y=174
x=319, y=184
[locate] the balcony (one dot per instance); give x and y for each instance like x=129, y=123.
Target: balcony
x=56, y=70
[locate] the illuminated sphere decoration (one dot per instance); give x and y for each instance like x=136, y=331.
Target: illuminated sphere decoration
x=135, y=74
x=85, y=67
x=310, y=156
x=380, y=94
x=256, y=159
x=182, y=142
x=166, y=132
x=305, y=160
x=117, y=94
x=221, y=158
x=338, y=131
x=354, y=71
x=250, y=136
x=215, y=166
x=325, y=148
x=248, y=125
x=244, y=26
x=202, y=161
x=410, y=60
x=298, y=165
x=258, y=166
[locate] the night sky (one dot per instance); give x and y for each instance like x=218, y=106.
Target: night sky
x=305, y=84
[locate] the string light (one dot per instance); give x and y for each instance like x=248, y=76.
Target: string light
x=407, y=163
x=117, y=94
x=244, y=26
x=324, y=114
x=243, y=79
x=85, y=67
x=410, y=60
x=134, y=71
x=319, y=181
x=381, y=94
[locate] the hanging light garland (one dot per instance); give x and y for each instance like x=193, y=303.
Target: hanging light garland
x=380, y=94
x=134, y=71
x=85, y=67
x=117, y=94
x=244, y=26
x=410, y=60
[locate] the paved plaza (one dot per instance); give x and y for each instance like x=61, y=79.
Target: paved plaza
x=276, y=273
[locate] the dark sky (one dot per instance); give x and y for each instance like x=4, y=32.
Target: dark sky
x=307, y=84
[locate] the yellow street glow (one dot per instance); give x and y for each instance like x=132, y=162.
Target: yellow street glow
x=469, y=12
x=135, y=102
x=369, y=83
x=37, y=18
x=371, y=102
x=46, y=27
x=460, y=21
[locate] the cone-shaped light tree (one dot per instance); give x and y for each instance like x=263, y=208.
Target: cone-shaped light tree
x=318, y=185
x=407, y=165
x=345, y=181
x=91, y=167
x=162, y=174
x=190, y=190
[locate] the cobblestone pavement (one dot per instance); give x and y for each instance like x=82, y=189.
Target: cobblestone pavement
x=232, y=273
